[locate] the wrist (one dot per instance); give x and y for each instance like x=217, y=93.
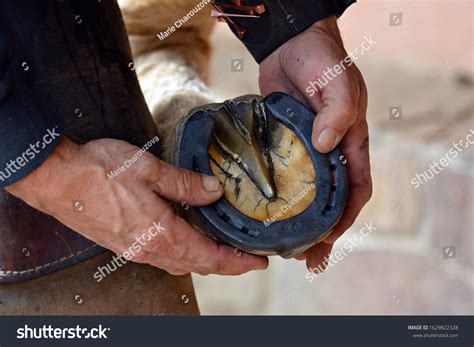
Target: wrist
x=42, y=188
x=329, y=27
x=328, y=24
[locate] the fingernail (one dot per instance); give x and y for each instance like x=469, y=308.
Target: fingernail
x=211, y=183
x=327, y=139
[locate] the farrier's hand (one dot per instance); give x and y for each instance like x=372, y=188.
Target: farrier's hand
x=341, y=107
x=116, y=212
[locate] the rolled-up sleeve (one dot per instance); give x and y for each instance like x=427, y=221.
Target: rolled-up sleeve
x=28, y=135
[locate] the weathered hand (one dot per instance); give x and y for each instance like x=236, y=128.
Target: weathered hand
x=131, y=212
x=340, y=98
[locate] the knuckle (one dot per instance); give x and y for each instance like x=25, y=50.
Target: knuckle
x=367, y=186
x=364, y=128
x=177, y=252
x=150, y=168
x=156, y=186
x=161, y=245
x=352, y=217
x=218, y=267
x=365, y=190
x=185, y=183
x=200, y=257
x=348, y=114
x=168, y=216
x=205, y=260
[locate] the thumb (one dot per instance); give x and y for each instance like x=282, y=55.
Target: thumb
x=336, y=104
x=332, y=123
x=337, y=112
x=180, y=185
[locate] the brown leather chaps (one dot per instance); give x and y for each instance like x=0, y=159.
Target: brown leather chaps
x=46, y=268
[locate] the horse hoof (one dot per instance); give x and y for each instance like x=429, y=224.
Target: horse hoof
x=281, y=195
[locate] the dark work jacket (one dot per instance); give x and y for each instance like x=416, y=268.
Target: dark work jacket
x=282, y=20
x=66, y=69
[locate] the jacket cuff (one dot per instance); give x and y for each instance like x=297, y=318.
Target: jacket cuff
x=28, y=138
x=282, y=20
x=28, y=134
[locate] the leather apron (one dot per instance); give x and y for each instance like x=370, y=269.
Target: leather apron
x=93, y=88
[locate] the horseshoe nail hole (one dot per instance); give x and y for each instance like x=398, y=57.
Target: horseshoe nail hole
x=326, y=209
x=250, y=232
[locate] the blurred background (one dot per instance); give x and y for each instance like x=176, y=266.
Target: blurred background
x=421, y=100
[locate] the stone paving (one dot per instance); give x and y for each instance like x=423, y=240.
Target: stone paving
x=420, y=259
